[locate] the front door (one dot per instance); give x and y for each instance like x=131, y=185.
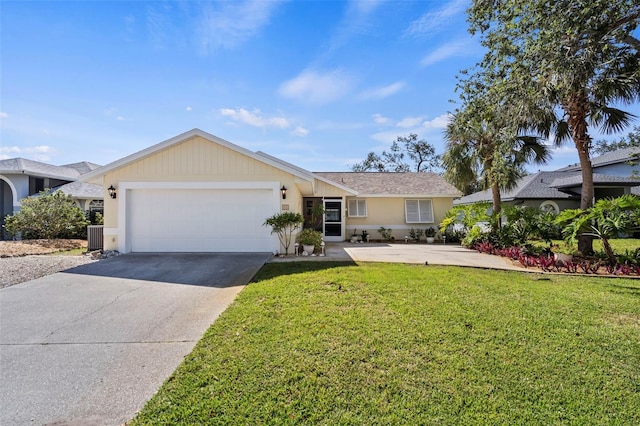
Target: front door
x=333, y=220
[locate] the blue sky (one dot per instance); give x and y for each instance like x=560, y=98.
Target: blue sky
x=316, y=83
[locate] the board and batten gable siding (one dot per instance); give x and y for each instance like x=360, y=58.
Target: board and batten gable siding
x=194, y=160
x=197, y=159
x=323, y=189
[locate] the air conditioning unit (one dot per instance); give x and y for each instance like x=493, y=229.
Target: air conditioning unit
x=95, y=237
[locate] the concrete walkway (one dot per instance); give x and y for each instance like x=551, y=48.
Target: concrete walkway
x=434, y=254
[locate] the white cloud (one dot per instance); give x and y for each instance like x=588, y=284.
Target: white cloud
x=300, y=131
x=385, y=138
x=434, y=20
x=229, y=24
x=407, y=122
x=365, y=7
x=460, y=47
x=120, y=118
x=382, y=92
x=158, y=23
x=355, y=21
x=379, y=119
x=189, y=108
x=45, y=149
x=3, y=115
x=440, y=122
x=255, y=118
x=38, y=153
x=317, y=88
x=9, y=149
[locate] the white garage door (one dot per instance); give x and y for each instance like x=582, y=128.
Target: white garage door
x=199, y=220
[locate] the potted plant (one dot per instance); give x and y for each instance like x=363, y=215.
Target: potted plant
x=430, y=234
x=309, y=240
x=386, y=234
x=416, y=234
x=563, y=252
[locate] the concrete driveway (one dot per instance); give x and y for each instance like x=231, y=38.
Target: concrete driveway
x=434, y=254
x=89, y=346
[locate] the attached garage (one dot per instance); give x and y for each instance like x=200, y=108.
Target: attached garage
x=199, y=219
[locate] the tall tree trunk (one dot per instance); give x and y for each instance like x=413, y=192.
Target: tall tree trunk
x=495, y=187
x=497, y=204
x=577, y=109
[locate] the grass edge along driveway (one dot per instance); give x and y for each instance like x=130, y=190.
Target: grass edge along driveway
x=325, y=343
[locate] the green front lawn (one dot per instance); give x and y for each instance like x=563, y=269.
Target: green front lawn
x=619, y=245
x=406, y=344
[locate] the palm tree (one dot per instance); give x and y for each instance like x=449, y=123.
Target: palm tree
x=606, y=219
x=577, y=58
x=491, y=153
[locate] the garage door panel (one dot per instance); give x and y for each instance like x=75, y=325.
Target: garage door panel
x=199, y=220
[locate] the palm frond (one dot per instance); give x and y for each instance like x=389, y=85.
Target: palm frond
x=611, y=120
x=563, y=132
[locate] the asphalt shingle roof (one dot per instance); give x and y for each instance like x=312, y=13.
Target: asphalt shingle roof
x=598, y=179
x=68, y=172
x=81, y=190
x=82, y=167
x=535, y=186
x=376, y=183
x=614, y=157
x=545, y=185
x=36, y=168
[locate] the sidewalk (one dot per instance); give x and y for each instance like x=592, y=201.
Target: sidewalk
x=434, y=254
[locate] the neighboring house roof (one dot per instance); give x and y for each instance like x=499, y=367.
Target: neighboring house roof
x=548, y=185
x=381, y=184
x=82, y=167
x=598, y=179
x=81, y=190
x=68, y=172
x=36, y=168
x=615, y=157
x=535, y=186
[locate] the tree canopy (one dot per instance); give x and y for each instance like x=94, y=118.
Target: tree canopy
x=421, y=153
x=284, y=224
x=48, y=215
x=632, y=140
x=486, y=148
x=577, y=58
x=561, y=66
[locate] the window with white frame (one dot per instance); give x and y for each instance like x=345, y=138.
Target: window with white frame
x=418, y=211
x=550, y=206
x=357, y=208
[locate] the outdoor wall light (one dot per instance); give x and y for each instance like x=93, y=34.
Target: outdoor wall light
x=284, y=192
x=112, y=191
